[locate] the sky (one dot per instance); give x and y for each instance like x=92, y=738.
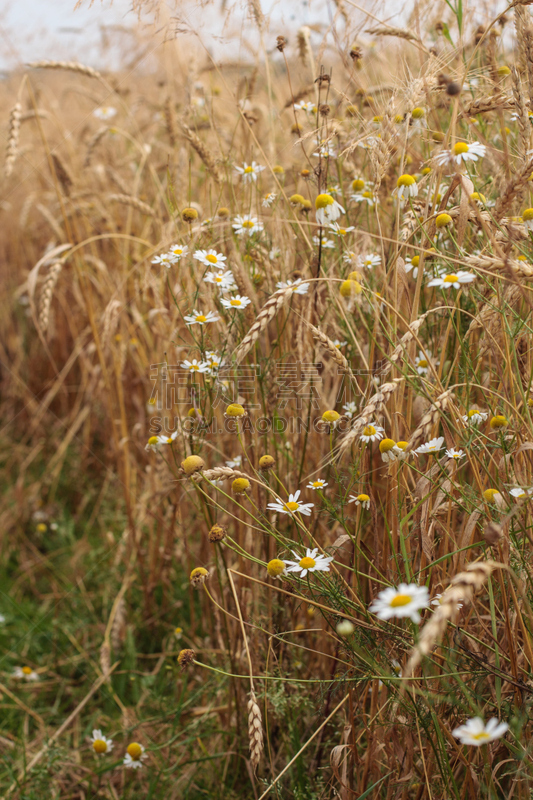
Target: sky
x=32, y=30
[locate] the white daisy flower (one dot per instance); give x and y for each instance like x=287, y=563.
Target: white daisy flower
x=519, y=493
x=135, y=755
x=268, y=199
x=210, y=258
x=25, y=674
x=338, y=343
x=104, y=112
x=326, y=243
x=372, y=433
x=452, y=279
x=311, y=562
x=214, y=361
x=297, y=286
x=2, y=617
x=362, y=500
x=338, y=231
x=474, y=732
x=460, y=152
x=327, y=209
x=411, y=263
x=422, y=362
x=527, y=218
x=350, y=408
x=369, y=261
x=246, y=225
x=100, y=743
x=365, y=197
x=325, y=150
x=474, y=416
x=437, y=600
x=292, y=506
x=406, y=186
x=456, y=454
x=224, y=280
x=178, y=251
x=433, y=446
x=195, y=366
x=318, y=484
x=389, y=451
x=197, y=318
x=164, y=438
x=309, y=108
x=404, y=601
x=234, y=463
x=166, y=259
x=249, y=172
x=237, y=301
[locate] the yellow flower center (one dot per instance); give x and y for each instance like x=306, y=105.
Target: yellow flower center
x=307, y=563
x=152, y=440
x=415, y=261
x=247, y=170
x=292, y=506
x=367, y=194
x=247, y=223
x=275, y=567
x=369, y=430
x=195, y=366
x=135, y=751
x=99, y=746
x=201, y=318
x=341, y=231
x=385, y=445
x=323, y=200
x=481, y=737
x=401, y=445
x=401, y=600
x=330, y=416
x=488, y=494
x=211, y=258
x=358, y=184
x=459, y=148
x=363, y=498
x=317, y=484
x=472, y=412
x=27, y=670
x=219, y=279
x=450, y=278
x=235, y=302
x=405, y=180
x=527, y=214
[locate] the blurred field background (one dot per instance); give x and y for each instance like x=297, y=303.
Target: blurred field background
x=101, y=529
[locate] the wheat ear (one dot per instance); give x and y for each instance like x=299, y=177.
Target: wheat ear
x=268, y=312
x=13, y=138
x=72, y=66
x=45, y=299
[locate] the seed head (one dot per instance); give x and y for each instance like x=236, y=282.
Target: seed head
x=266, y=462
x=198, y=576
x=240, y=486
x=192, y=464
x=217, y=533
x=188, y=215
x=186, y=657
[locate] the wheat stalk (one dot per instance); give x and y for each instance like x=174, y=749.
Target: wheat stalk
x=134, y=202
x=369, y=412
x=462, y=589
x=13, y=138
x=93, y=142
x=205, y=154
x=72, y=66
x=423, y=432
x=45, y=299
x=267, y=313
x=513, y=189
x=255, y=730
